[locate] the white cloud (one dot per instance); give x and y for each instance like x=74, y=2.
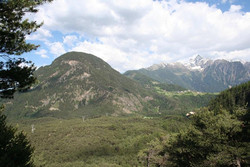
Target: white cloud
x=225, y=1
x=137, y=33
x=70, y=40
x=56, y=48
x=118, y=59
x=42, y=53
x=41, y=35
x=45, y=56
x=107, y=53
x=235, y=8
x=232, y=55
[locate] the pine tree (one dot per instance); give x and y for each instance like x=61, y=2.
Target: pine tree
x=13, y=31
x=15, y=149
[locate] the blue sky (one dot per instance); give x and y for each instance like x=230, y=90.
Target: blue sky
x=224, y=5
x=133, y=34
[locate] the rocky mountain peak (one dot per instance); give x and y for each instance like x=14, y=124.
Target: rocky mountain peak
x=198, y=59
x=198, y=63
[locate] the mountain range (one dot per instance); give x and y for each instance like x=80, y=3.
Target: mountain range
x=199, y=74
x=79, y=84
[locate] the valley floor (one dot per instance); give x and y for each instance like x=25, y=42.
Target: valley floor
x=103, y=141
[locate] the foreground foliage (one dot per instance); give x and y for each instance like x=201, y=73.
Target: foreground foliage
x=15, y=74
x=212, y=140
x=14, y=29
x=15, y=149
x=217, y=136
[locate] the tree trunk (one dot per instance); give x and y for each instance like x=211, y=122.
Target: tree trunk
x=148, y=159
x=238, y=162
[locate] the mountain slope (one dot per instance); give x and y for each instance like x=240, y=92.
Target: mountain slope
x=79, y=84
x=151, y=83
x=238, y=96
x=182, y=100
x=200, y=74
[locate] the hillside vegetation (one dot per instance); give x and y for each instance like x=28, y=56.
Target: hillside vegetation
x=238, y=96
x=151, y=83
x=103, y=141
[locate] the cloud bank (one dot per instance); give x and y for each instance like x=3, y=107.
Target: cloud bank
x=133, y=34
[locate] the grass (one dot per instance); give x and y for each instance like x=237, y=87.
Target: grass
x=182, y=93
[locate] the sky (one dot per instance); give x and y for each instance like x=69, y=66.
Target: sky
x=134, y=34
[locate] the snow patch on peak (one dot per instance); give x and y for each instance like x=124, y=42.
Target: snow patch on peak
x=238, y=60
x=197, y=62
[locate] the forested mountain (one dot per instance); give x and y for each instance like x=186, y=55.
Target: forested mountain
x=238, y=96
x=79, y=84
x=235, y=100
x=200, y=74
